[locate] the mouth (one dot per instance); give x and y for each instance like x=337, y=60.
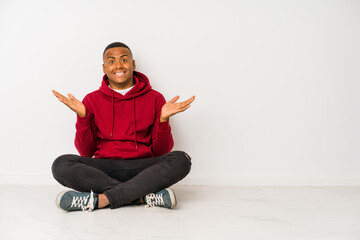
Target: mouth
x=120, y=74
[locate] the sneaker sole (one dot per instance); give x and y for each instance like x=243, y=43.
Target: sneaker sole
x=172, y=197
x=58, y=198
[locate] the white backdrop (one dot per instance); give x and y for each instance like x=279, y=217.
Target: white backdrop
x=277, y=83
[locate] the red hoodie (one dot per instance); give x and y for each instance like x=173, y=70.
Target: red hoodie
x=123, y=127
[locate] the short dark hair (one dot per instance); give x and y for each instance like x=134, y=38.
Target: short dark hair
x=116, y=44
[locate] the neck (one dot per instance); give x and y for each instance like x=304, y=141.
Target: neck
x=120, y=86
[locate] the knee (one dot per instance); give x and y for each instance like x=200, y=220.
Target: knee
x=182, y=155
x=184, y=158
x=60, y=163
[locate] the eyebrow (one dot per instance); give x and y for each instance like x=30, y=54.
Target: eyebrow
x=120, y=56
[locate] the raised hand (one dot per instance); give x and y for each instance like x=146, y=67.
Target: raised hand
x=172, y=107
x=74, y=104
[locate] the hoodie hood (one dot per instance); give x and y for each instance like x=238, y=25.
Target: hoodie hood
x=141, y=86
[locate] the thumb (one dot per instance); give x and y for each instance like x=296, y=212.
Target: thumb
x=175, y=99
x=71, y=96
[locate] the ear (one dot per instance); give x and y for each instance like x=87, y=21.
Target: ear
x=104, y=68
x=134, y=65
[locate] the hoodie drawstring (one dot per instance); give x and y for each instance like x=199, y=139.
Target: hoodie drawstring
x=135, y=125
x=113, y=119
x=113, y=115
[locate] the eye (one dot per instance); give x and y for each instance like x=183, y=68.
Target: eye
x=111, y=62
x=124, y=60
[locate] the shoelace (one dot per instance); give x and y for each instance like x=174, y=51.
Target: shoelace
x=154, y=200
x=80, y=201
x=90, y=206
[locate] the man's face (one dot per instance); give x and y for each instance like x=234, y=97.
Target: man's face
x=119, y=66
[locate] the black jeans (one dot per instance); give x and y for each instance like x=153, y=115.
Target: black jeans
x=122, y=181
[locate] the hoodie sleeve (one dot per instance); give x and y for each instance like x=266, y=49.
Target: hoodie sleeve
x=85, y=138
x=162, y=141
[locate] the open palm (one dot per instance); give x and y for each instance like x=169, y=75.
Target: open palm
x=74, y=104
x=172, y=107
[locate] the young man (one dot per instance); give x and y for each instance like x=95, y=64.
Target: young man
x=125, y=126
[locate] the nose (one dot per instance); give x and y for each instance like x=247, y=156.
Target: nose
x=118, y=64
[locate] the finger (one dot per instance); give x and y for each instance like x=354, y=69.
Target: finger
x=58, y=95
x=71, y=96
x=175, y=99
x=187, y=102
x=183, y=109
x=190, y=100
x=61, y=97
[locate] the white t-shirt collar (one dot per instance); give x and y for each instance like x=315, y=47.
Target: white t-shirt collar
x=122, y=91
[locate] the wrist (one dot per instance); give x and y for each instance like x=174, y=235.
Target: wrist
x=82, y=115
x=163, y=119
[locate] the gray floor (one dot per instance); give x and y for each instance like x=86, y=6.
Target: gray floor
x=203, y=212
